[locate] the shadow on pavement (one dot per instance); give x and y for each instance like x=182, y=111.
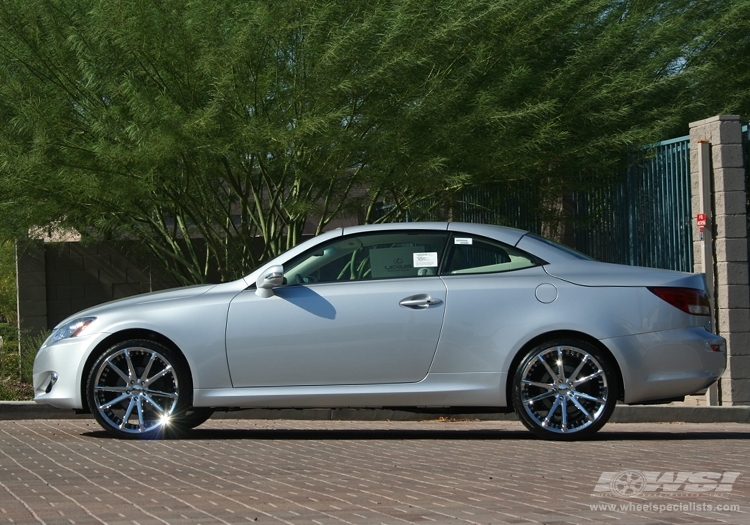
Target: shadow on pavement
x=426, y=434
x=328, y=434
x=603, y=435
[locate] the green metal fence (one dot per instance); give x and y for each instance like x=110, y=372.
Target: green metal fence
x=645, y=219
x=513, y=205
x=642, y=217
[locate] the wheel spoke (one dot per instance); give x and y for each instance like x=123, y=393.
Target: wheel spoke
x=114, y=367
x=145, y=373
x=548, y=386
x=588, y=378
x=154, y=404
x=114, y=402
x=101, y=388
x=173, y=395
x=564, y=408
x=560, y=367
x=141, y=421
x=578, y=369
x=164, y=372
x=551, y=412
x=541, y=396
x=131, y=369
x=549, y=369
x=590, y=398
x=582, y=409
x=129, y=411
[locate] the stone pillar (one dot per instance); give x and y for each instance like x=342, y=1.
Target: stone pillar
x=729, y=227
x=31, y=287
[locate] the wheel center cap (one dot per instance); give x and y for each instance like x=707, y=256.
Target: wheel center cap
x=563, y=387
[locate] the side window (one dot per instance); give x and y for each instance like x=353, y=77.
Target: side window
x=370, y=256
x=470, y=254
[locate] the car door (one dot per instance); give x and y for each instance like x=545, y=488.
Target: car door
x=364, y=309
x=494, y=301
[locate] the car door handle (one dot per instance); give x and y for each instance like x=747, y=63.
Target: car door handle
x=420, y=301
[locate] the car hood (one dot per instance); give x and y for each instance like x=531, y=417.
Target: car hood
x=152, y=297
x=593, y=273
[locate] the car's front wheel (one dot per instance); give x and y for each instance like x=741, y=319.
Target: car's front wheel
x=565, y=389
x=139, y=389
x=194, y=417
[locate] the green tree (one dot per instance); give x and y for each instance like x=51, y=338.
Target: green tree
x=719, y=61
x=199, y=127
x=174, y=122
x=8, y=281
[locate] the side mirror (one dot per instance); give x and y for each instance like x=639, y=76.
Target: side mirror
x=268, y=280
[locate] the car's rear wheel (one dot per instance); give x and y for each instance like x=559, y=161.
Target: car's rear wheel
x=565, y=389
x=139, y=389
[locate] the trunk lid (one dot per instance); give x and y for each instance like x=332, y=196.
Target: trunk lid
x=594, y=273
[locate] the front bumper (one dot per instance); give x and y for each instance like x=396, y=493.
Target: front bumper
x=65, y=359
x=668, y=364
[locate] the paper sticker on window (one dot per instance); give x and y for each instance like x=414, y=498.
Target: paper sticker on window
x=462, y=240
x=393, y=262
x=425, y=260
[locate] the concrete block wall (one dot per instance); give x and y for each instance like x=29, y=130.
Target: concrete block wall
x=56, y=280
x=730, y=249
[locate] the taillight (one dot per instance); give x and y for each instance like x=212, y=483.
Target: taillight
x=689, y=300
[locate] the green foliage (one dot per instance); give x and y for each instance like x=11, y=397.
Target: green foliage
x=8, y=332
x=719, y=60
x=7, y=284
x=16, y=371
x=14, y=390
x=30, y=345
x=232, y=121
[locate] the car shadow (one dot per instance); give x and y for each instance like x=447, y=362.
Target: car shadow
x=308, y=300
x=334, y=435
x=604, y=435
x=424, y=434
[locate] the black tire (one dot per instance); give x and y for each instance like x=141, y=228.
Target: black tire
x=138, y=389
x=194, y=417
x=567, y=401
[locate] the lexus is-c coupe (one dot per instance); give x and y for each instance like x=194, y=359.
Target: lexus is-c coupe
x=418, y=315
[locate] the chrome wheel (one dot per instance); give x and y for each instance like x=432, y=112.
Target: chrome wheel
x=134, y=389
x=565, y=390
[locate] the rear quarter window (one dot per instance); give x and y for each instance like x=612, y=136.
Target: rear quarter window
x=473, y=255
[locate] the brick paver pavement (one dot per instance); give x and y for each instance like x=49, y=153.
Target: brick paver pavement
x=342, y=472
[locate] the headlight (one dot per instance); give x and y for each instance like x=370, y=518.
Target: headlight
x=71, y=329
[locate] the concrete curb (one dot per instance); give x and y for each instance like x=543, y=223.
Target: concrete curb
x=21, y=410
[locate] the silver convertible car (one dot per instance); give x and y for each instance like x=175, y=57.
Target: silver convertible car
x=418, y=315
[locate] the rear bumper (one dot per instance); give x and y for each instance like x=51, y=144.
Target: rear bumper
x=667, y=364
